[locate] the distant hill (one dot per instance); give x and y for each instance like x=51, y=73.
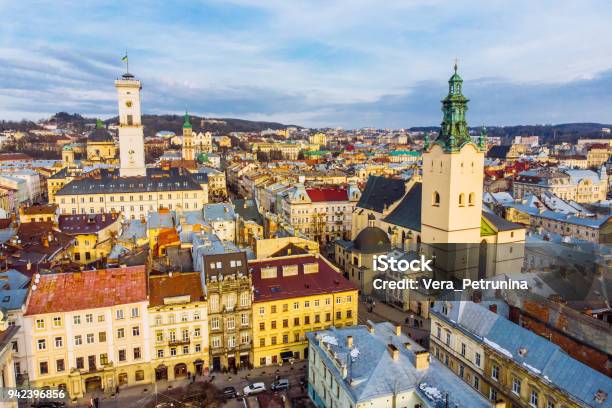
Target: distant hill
x=565, y=132
x=174, y=123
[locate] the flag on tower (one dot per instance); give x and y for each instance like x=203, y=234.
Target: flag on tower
x=125, y=57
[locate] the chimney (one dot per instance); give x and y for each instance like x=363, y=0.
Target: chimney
x=349, y=341
x=408, y=346
x=421, y=361
x=370, y=327
x=393, y=351
x=499, y=404
x=398, y=330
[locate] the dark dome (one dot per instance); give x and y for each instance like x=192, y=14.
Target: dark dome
x=371, y=240
x=100, y=135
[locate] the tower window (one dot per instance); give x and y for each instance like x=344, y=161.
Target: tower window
x=436, y=199
x=472, y=199
x=130, y=120
x=461, y=200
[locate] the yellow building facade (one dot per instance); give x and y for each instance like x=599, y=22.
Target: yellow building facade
x=282, y=315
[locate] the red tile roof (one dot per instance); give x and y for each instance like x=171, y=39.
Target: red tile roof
x=326, y=280
x=65, y=292
x=85, y=223
x=179, y=284
x=14, y=157
x=327, y=194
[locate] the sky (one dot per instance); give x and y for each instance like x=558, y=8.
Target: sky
x=319, y=63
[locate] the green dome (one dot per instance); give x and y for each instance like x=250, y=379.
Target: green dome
x=202, y=157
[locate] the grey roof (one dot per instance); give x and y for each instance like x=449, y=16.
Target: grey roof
x=247, y=210
x=407, y=214
x=381, y=192
x=13, y=289
x=161, y=219
x=498, y=152
x=541, y=358
x=218, y=212
x=375, y=374
x=154, y=181
x=134, y=230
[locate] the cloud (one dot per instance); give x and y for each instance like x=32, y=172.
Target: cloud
x=322, y=63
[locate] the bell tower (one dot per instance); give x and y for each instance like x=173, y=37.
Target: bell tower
x=131, y=133
x=188, y=147
x=451, y=202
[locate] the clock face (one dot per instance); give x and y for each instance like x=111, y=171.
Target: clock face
x=128, y=104
x=131, y=155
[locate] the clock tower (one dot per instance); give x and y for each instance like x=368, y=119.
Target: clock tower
x=131, y=133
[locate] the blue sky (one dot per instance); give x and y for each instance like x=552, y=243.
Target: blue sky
x=348, y=63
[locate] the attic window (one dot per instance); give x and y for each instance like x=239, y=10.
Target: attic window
x=6, y=299
x=522, y=352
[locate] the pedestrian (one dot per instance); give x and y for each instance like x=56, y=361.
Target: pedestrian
x=96, y=402
x=117, y=389
x=91, y=402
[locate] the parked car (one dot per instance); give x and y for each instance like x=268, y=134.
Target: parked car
x=254, y=388
x=229, y=392
x=279, y=385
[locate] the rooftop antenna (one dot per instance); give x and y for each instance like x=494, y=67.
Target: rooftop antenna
x=127, y=62
x=456, y=63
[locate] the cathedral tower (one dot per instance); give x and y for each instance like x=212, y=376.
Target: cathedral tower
x=131, y=133
x=188, y=147
x=451, y=202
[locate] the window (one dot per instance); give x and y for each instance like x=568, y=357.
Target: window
x=492, y=394
x=231, y=342
x=158, y=320
x=262, y=342
x=328, y=301
x=273, y=324
x=135, y=331
x=44, y=367
x=136, y=353
x=316, y=303
x=57, y=322
x=285, y=339
x=262, y=326
x=478, y=359
x=198, y=348
x=59, y=342
x=262, y=311
x=317, y=319
x=285, y=323
x=550, y=404
x=461, y=200
x=495, y=372
x=349, y=314
x=119, y=314
x=78, y=340
x=273, y=309
x=533, y=398
x=120, y=333
x=196, y=332
x=448, y=338
x=160, y=353
x=338, y=315
x=516, y=386
x=41, y=344
x=139, y=375
x=100, y=318
x=307, y=304
x=338, y=300
x=476, y=382
x=244, y=319
x=135, y=312
x=306, y=319
x=40, y=324
x=296, y=321
x=296, y=305
x=89, y=318
x=184, y=318
x=472, y=199
x=436, y=199
x=230, y=323
x=59, y=365
x=273, y=340
x=103, y=359
x=461, y=370
x=122, y=355
x=463, y=349
x=90, y=338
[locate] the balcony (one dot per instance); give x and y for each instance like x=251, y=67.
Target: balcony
x=178, y=342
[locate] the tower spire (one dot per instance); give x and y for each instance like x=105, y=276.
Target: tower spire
x=454, y=130
x=186, y=122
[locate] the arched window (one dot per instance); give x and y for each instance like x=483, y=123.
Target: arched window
x=472, y=199
x=461, y=200
x=436, y=199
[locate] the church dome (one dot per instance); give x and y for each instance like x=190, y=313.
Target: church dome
x=100, y=134
x=371, y=240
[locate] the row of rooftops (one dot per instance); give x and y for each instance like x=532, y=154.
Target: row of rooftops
x=533, y=353
x=71, y=291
